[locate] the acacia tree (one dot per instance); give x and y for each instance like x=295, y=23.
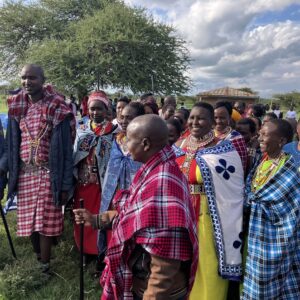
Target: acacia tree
x=23, y=24
x=115, y=46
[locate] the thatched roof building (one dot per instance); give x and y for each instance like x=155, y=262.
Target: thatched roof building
x=227, y=94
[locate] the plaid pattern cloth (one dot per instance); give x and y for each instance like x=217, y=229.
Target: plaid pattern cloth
x=273, y=258
x=35, y=209
x=54, y=108
x=239, y=144
x=157, y=204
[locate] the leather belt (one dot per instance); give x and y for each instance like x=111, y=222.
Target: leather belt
x=197, y=189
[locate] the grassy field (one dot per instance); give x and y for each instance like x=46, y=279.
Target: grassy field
x=3, y=105
x=22, y=279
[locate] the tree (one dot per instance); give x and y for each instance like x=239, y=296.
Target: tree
x=113, y=45
x=288, y=99
x=248, y=90
x=22, y=24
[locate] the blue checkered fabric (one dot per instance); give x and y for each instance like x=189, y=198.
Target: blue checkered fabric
x=273, y=258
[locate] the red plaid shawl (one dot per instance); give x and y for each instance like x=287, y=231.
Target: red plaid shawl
x=53, y=113
x=158, y=198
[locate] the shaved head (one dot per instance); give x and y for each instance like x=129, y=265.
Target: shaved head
x=36, y=68
x=146, y=135
x=152, y=127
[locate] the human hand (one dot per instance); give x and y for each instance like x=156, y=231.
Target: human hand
x=83, y=216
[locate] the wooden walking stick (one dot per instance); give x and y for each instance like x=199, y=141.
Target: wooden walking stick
x=81, y=254
x=7, y=232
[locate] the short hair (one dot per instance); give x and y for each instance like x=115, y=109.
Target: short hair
x=258, y=120
x=249, y=122
x=271, y=115
x=185, y=112
x=146, y=95
x=153, y=106
x=284, y=129
x=207, y=106
x=258, y=110
x=176, y=124
x=139, y=108
x=166, y=106
x=38, y=68
x=170, y=100
x=123, y=99
x=226, y=105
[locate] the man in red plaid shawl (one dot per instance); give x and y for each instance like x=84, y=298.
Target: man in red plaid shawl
x=39, y=136
x=153, y=252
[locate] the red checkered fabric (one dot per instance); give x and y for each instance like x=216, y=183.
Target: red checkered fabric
x=241, y=147
x=35, y=209
x=158, y=214
x=54, y=108
x=31, y=126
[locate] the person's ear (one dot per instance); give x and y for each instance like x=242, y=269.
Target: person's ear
x=146, y=144
x=282, y=142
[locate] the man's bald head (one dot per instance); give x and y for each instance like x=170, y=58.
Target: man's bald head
x=35, y=68
x=147, y=135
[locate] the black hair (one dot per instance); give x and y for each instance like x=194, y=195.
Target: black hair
x=176, y=124
x=258, y=110
x=166, y=106
x=271, y=115
x=208, y=107
x=258, y=120
x=247, y=121
x=146, y=95
x=185, y=112
x=284, y=129
x=226, y=105
x=139, y=108
x=123, y=99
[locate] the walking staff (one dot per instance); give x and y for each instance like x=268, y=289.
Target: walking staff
x=81, y=254
x=7, y=232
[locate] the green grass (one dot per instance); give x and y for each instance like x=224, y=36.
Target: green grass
x=20, y=279
x=3, y=106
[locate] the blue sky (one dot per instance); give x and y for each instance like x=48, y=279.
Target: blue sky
x=236, y=43
x=253, y=43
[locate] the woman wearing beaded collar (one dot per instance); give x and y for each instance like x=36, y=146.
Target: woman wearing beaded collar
x=198, y=156
x=91, y=154
x=224, y=131
x=273, y=201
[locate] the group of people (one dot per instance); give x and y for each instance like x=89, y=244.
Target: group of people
x=177, y=204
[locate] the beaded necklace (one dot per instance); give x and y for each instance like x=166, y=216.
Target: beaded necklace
x=223, y=135
x=262, y=175
x=193, y=145
x=121, y=139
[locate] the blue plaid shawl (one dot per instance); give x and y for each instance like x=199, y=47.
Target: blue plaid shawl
x=273, y=258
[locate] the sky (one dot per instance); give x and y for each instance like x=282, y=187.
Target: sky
x=236, y=43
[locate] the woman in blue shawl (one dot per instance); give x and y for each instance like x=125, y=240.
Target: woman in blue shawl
x=273, y=198
x=121, y=168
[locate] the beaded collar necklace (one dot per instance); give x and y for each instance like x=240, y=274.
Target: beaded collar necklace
x=223, y=135
x=193, y=145
x=261, y=175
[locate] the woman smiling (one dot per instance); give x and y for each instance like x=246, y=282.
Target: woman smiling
x=273, y=201
x=215, y=175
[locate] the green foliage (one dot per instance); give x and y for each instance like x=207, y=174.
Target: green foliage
x=288, y=99
x=248, y=90
x=93, y=43
x=22, y=278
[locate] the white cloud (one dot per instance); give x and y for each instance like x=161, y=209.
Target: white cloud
x=228, y=48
